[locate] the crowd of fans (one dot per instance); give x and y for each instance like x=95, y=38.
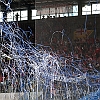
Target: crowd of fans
x=85, y=55
x=87, y=52
x=15, y=79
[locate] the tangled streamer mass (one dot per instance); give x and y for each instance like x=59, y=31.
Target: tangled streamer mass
x=32, y=70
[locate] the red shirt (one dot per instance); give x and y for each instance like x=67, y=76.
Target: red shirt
x=1, y=79
x=97, y=50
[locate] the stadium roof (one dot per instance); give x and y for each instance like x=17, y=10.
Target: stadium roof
x=20, y=4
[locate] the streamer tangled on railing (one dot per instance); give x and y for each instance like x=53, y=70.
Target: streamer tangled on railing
x=28, y=69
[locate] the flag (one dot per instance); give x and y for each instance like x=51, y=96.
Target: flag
x=81, y=33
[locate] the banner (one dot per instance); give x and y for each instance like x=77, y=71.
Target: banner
x=81, y=33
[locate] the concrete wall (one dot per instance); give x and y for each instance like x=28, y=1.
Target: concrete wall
x=44, y=28
x=21, y=96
